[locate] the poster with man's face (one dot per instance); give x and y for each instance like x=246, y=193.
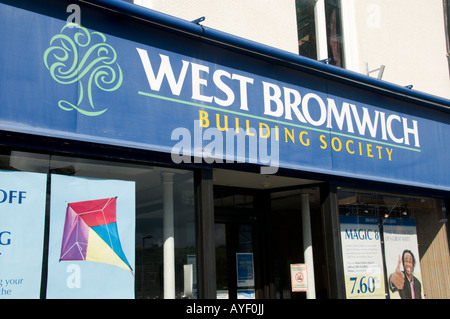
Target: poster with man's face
x=402, y=259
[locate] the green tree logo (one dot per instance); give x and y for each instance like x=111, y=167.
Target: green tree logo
x=86, y=60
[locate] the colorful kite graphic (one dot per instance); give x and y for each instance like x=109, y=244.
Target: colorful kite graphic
x=90, y=233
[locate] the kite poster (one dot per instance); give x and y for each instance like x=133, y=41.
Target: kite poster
x=402, y=259
x=22, y=215
x=92, y=235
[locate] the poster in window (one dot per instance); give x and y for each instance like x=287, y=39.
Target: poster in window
x=22, y=215
x=402, y=258
x=245, y=270
x=363, y=261
x=92, y=235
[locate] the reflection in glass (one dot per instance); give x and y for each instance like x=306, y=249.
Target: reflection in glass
x=149, y=211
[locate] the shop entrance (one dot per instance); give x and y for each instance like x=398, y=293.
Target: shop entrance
x=236, y=239
x=259, y=234
x=291, y=240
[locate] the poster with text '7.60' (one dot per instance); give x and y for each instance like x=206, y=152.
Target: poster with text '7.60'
x=22, y=218
x=363, y=262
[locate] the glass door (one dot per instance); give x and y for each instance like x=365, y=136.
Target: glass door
x=235, y=231
x=235, y=262
x=259, y=235
x=288, y=240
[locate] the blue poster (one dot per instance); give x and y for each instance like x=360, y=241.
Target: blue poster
x=92, y=235
x=22, y=215
x=363, y=259
x=245, y=270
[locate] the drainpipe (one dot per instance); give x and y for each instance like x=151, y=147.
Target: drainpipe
x=321, y=30
x=307, y=246
x=447, y=28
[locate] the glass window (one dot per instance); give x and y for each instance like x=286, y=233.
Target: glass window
x=159, y=191
x=306, y=28
x=334, y=32
x=409, y=228
x=319, y=22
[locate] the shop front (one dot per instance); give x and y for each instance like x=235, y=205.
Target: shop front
x=160, y=159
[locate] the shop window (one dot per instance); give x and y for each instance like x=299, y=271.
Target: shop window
x=385, y=234
x=229, y=199
x=334, y=32
x=319, y=30
x=152, y=205
x=306, y=28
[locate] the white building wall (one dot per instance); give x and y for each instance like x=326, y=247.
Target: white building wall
x=269, y=22
x=408, y=38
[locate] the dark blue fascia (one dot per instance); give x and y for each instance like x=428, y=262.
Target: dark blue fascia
x=216, y=37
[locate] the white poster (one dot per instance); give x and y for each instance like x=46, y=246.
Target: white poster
x=92, y=238
x=402, y=258
x=363, y=262
x=299, y=277
x=22, y=216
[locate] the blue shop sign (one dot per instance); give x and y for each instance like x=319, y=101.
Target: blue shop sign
x=116, y=80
